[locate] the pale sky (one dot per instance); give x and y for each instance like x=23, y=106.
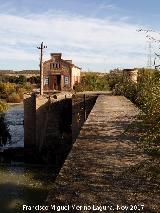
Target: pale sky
x=96, y=34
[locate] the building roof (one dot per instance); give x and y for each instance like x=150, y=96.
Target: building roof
x=65, y=61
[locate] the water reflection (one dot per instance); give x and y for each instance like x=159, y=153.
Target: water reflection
x=14, y=119
x=20, y=183
x=23, y=185
x=5, y=136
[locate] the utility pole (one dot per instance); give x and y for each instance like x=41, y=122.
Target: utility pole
x=149, y=56
x=41, y=48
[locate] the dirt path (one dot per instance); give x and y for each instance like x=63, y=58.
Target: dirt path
x=101, y=168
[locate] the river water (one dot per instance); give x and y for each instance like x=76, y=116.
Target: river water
x=22, y=184
x=14, y=119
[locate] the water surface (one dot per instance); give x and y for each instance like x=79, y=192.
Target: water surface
x=14, y=118
x=21, y=184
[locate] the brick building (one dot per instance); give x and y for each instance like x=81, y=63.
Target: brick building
x=60, y=74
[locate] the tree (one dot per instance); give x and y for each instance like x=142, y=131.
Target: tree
x=92, y=82
x=21, y=79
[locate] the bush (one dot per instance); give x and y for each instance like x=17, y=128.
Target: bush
x=27, y=87
x=92, y=82
x=14, y=98
x=126, y=88
x=6, y=89
x=3, y=107
x=20, y=91
x=114, y=79
x=146, y=95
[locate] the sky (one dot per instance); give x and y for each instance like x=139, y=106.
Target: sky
x=97, y=35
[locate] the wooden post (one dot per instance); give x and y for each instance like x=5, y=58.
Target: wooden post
x=84, y=96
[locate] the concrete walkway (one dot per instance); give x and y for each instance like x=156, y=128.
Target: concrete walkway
x=96, y=174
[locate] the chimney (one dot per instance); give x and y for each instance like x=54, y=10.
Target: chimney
x=56, y=56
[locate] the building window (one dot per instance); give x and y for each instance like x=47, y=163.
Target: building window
x=58, y=66
x=46, y=81
x=66, y=80
x=55, y=66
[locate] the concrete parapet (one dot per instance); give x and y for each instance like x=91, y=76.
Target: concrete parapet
x=51, y=124
x=43, y=126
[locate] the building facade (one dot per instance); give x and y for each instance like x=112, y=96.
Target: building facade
x=60, y=74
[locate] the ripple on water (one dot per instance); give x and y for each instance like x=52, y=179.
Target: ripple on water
x=14, y=118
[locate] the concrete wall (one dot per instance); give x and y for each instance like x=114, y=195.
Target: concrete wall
x=82, y=104
x=29, y=120
x=46, y=122
x=34, y=115
x=52, y=125
x=42, y=106
x=34, y=126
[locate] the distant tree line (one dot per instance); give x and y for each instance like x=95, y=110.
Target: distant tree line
x=21, y=79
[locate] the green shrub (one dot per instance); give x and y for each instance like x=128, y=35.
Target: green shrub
x=92, y=82
x=146, y=95
x=114, y=79
x=14, y=98
x=27, y=87
x=7, y=90
x=3, y=107
x=126, y=88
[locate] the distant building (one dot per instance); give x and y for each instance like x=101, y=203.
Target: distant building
x=132, y=74
x=60, y=74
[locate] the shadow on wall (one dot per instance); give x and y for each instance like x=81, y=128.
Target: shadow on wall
x=57, y=141
x=81, y=107
x=54, y=127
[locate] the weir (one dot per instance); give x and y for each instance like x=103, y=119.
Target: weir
x=51, y=125
x=94, y=173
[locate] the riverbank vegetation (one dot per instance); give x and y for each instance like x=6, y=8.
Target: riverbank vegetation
x=3, y=107
x=4, y=132
x=5, y=136
x=146, y=95
x=12, y=90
